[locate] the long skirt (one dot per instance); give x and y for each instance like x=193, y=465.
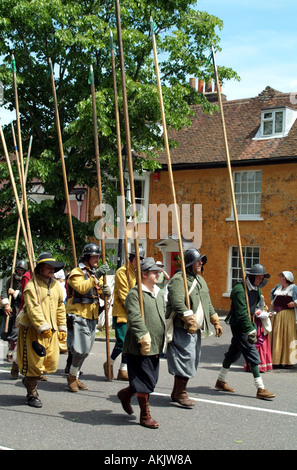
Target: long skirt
x=263, y=347
x=283, y=338
x=183, y=353
x=143, y=372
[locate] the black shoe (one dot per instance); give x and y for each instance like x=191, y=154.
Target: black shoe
x=34, y=401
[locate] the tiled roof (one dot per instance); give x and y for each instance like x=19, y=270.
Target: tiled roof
x=202, y=143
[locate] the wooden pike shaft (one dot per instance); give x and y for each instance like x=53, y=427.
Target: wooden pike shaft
x=120, y=162
x=129, y=154
x=26, y=239
x=58, y=127
x=96, y=142
x=231, y=180
x=17, y=236
x=171, y=180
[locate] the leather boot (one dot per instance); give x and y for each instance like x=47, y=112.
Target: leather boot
x=264, y=394
x=223, y=386
x=122, y=375
x=179, y=394
x=32, y=395
x=72, y=383
x=81, y=385
x=125, y=396
x=145, y=417
x=14, y=372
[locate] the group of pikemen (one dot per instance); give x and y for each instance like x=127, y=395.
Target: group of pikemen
x=41, y=319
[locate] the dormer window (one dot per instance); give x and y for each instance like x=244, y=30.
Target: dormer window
x=276, y=122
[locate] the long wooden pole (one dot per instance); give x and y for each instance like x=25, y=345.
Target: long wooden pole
x=20, y=152
x=120, y=161
x=129, y=154
x=99, y=182
x=171, y=180
x=18, y=224
x=218, y=85
x=23, y=226
x=58, y=128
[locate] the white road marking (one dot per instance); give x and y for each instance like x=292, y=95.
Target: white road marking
x=234, y=405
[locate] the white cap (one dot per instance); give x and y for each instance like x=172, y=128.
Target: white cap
x=288, y=275
x=159, y=263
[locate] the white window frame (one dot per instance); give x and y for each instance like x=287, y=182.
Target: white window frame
x=251, y=255
x=289, y=117
x=245, y=196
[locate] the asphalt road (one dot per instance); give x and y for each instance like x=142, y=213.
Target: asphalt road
x=94, y=419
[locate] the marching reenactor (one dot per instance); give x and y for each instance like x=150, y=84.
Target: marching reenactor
x=144, y=341
x=183, y=353
x=11, y=308
x=125, y=279
x=85, y=290
x=41, y=323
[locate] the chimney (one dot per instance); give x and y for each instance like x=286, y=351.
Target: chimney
x=192, y=83
x=200, y=86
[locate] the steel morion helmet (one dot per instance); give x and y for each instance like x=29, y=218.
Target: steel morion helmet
x=258, y=270
x=22, y=265
x=91, y=249
x=192, y=255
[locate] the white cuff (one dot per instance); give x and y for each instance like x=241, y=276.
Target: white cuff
x=187, y=313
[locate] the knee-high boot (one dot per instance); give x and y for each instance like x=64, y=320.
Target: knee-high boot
x=145, y=417
x=179, y=394
x=125, y=396
x=32, y=394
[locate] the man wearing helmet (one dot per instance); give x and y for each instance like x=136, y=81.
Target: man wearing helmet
x=183, y=353
x=124, y=280
x=82, y=308
x=244, y=333
x=11, y=299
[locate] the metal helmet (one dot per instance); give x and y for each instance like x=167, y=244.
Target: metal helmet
x=192, y=255
x=141, y=252
x=91, y=249
x=22, y=265
x=258, y=270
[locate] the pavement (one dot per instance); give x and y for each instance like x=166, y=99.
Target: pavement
x=94, y=419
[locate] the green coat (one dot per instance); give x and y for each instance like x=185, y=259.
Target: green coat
x=177, y=301
x=239, y=313
x=154, y=321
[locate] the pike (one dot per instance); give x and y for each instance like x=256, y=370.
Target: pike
x=96, y=143
x=20, y=151
x=218, y=85
x=23, y=226
x=171, y=180
x=129, y=154
x=58, y=127
x=19, y=223
x=120, y=162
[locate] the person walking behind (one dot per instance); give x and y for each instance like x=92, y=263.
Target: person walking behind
x=41, y=326
x=183, y=352
x=244, y=333
x=125, y=279
x=85, y=288
x=144, y=342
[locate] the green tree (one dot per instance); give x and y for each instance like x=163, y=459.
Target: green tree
x=75, y=34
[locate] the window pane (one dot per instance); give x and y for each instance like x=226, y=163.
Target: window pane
x=267, y=128
x=279, y=121
x=267, y=115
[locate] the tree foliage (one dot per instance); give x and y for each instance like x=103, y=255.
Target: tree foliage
x=75, y=34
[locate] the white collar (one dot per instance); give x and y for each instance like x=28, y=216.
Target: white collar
x=156, y=290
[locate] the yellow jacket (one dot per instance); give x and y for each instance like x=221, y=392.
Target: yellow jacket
x=77, y=281
x=52, y=315
x=121, y=289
